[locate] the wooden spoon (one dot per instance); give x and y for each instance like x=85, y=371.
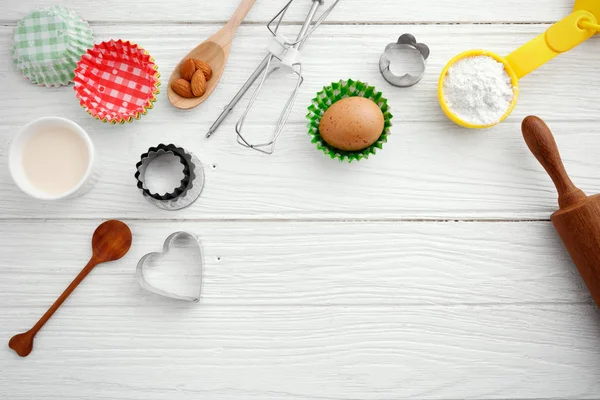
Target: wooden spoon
x=111, y=241
x=215, y=52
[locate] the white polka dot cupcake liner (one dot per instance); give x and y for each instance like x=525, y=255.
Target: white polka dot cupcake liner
x=117, y=81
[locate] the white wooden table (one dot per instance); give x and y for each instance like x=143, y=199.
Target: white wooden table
x=430, y=271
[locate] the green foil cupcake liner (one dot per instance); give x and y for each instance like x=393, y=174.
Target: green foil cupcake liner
x=48, y=43
x=338, y=91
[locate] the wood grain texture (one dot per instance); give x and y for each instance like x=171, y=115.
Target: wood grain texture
x=260, y=263
x=566, y=84
x=313, y=353
x=579, y=229
x=310, y=310
x=315, y=287
x=482, y=174
x=348, y=11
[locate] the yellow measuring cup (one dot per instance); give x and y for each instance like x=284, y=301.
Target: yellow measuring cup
x=561, y=37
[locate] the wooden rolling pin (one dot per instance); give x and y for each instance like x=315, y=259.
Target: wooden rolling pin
x=578, y=219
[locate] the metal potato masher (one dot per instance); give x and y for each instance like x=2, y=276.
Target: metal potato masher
x=283, y=53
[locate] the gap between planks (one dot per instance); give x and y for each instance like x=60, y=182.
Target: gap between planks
x=291, y=219
x=269, y=306
x=12, y=23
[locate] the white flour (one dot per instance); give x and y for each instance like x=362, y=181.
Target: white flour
x=478, y=90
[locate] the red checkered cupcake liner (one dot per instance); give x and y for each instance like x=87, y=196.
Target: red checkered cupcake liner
x=116, y=81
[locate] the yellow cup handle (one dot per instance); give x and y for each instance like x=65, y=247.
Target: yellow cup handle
x=559, y=38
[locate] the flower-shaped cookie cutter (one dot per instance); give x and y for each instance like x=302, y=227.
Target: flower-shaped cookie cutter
x=405, y=42
x=167, y=247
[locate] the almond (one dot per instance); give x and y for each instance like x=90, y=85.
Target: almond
x=198, y=84
x=204, y=67
x=187, y=69
x=182, y=88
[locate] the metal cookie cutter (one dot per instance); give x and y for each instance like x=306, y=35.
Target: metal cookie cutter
x=189, y=188
x=406, y=41
x=169, y=245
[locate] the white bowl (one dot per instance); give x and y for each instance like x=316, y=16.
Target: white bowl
x=15, y=160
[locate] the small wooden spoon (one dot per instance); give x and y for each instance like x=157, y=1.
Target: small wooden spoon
x=111, y=241
x=215, y=52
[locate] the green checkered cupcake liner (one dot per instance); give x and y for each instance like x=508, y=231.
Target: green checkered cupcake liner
x=334, y=93
x=48, y=43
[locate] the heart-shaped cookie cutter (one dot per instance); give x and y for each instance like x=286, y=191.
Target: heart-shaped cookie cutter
x=405, y=42
x=139, y=272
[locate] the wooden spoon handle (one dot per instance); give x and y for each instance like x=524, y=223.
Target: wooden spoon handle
x=78, y=279
x=239, y=14
x=23, y=342
x=540, y=141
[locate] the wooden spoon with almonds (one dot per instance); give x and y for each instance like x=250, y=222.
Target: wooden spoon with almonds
x=215, y=52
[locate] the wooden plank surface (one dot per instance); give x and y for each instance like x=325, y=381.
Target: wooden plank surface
x=307, y=310
x=348, y=11
x=430, y=271
x=309, y=263
x=313, y=353
x=482, y=175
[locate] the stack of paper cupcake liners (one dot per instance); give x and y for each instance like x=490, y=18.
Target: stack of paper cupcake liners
x=116, y=81
x=48, y=43
x=333, y=93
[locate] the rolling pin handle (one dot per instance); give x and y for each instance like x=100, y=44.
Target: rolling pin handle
x=540, y=141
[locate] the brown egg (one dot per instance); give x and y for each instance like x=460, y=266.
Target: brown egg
x=352, y=124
